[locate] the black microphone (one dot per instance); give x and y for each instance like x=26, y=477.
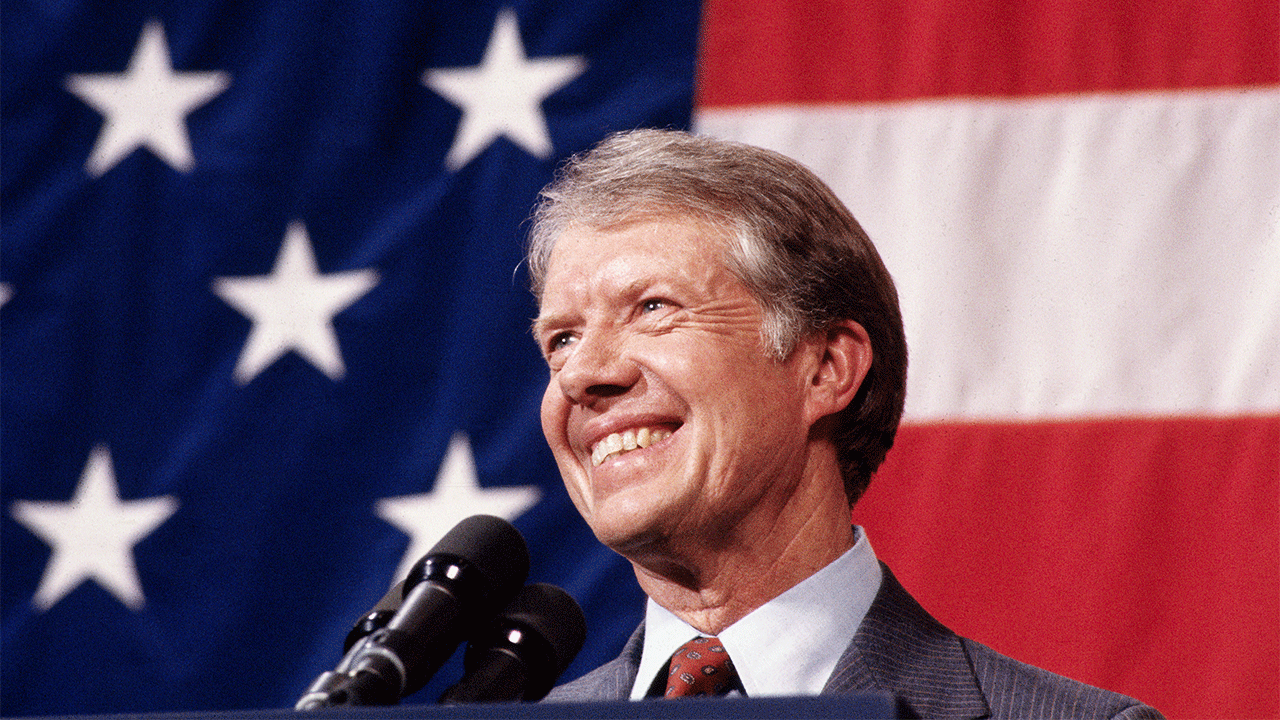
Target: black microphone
x=524, y=649
x=377, y=617
x=475, y=569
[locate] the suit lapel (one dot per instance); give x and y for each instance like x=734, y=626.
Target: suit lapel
x=611, y=681
x=900, y=648
x=624, y=668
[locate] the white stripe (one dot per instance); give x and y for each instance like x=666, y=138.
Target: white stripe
x=1102, y=255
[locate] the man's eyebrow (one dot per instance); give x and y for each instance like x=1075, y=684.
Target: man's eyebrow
x=629, y=293
x=544, y=323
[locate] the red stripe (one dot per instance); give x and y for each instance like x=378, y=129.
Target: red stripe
x=788, y=51
x=1140, y=555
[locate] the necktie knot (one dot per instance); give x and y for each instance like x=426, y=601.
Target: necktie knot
x=700, y=667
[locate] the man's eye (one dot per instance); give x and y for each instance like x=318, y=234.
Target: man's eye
x=559, y=341
x=652, y=305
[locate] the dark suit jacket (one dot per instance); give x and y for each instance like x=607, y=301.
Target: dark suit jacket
x=934, y=673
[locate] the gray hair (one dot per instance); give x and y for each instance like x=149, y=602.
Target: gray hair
x=790, y=241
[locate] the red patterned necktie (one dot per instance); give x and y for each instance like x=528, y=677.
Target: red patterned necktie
x=700, y=667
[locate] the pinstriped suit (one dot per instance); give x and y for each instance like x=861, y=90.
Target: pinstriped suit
x=900, y=648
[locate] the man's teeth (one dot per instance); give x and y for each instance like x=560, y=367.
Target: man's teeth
x=618, y=443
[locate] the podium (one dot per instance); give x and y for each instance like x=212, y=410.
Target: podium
x=823, y=707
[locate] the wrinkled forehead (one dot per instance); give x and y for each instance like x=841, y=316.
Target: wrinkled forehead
x=611, y=214
x=663, y=236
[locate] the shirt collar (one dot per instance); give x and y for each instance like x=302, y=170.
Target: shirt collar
x=791, y=644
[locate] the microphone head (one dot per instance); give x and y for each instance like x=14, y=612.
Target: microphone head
x=485, y=545
x=553, y=614
x=377, y=617
x=526, y=648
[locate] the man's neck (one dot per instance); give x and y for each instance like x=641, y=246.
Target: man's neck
x=711, y=584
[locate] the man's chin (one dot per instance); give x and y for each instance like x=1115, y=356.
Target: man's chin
x=628, y=532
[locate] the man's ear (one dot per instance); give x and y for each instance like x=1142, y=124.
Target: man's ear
x=845, y=361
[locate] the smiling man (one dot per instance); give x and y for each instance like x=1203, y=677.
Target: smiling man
x=727, y=371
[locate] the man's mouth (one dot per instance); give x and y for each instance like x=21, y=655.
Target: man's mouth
x=619, y=443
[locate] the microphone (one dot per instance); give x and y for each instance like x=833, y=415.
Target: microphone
x=377, y=617
x=475, y=569
x=523, y=650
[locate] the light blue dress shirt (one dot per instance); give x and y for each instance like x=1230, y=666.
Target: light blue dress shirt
x=791, y=644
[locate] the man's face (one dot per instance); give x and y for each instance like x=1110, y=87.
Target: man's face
x=667, y=418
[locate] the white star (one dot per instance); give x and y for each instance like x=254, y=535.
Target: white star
x=503, y=95
x=93, y=534
x=146, y=105
x=457, y=495
x=293, y=308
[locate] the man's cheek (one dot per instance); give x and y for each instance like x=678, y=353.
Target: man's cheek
x=551, y=418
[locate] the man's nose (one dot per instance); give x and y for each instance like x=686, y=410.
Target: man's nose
x=596, y=369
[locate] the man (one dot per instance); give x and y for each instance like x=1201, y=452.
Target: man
x=728, y=369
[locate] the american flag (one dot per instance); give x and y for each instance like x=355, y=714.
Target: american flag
x=264, y=331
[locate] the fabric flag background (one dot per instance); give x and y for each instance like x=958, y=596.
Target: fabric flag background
x=264, y=338
x=1080, y=203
